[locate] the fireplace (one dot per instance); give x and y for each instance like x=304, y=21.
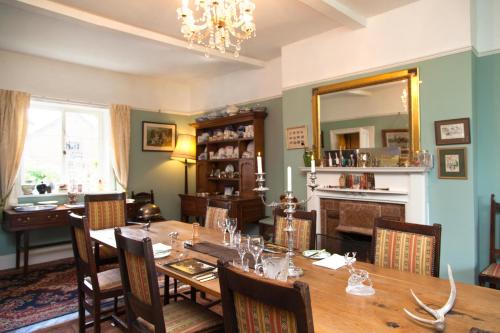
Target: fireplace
x=346, y=216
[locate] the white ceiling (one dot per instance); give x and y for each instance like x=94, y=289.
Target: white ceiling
x=83, y=39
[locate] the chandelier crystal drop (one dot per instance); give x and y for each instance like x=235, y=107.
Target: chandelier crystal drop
x=217, y=24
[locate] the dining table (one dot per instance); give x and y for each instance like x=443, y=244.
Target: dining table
x=477, y=309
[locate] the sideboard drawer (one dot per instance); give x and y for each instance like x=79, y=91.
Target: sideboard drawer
x=38, y=220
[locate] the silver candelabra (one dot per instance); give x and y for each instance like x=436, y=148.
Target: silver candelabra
x=289, y=208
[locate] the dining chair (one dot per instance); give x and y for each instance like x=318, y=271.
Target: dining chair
x=407, y=247
x=143, y=197
x=93, y=286
x=491, y=274
x=145, y=312
x=216, y=210
x=254, y=304
x=304, y=224
x=105, y=211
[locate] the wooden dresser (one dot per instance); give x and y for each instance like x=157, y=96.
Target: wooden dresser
x=21, y=223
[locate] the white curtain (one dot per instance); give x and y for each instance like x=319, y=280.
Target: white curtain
x=13, y=127
x=120, y=141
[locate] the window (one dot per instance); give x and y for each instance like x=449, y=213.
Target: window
x=67, y=144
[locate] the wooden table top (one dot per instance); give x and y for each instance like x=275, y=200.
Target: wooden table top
x=336, y=311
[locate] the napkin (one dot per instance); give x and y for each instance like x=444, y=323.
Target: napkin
x=161, y=248
x=334, y=261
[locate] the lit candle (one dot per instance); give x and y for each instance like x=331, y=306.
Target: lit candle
x=259, y=163
x=313, y=164
x=289, y=178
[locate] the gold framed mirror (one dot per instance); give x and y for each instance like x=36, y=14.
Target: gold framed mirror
x=378, y=108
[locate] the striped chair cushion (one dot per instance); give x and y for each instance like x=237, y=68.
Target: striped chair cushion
x=492, y=270
x=301, y=237
x=81, y=244
x=138, y=277
x=106, y=214
x=254, y=316
x=213, y=215
x=404, y=251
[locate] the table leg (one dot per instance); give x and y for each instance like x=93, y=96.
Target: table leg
x=26, y=250
x=18, y=248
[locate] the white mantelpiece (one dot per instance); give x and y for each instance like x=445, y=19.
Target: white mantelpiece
x=399, y=185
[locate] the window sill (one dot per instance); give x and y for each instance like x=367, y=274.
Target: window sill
x=28, y=198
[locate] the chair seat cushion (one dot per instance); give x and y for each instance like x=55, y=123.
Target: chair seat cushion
x=108, y=280
x=188, y=317
x=493, y=270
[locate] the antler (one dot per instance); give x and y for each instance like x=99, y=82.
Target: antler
x=439, y=314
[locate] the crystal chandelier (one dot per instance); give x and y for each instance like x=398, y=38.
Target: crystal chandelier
x=218, y=24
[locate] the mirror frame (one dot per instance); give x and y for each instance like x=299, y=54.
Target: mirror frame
x=413, y=97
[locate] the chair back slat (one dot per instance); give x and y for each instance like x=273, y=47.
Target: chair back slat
x=140, y=282
x=494, y=210
x=82, y=249
x=216, y=210
x=407, y=246
x=249, y=301
x=106, y=210
x=304, y=224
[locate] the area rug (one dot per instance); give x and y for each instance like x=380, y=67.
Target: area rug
x=45, y=293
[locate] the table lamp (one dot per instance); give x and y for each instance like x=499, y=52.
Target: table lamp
x=185, y=152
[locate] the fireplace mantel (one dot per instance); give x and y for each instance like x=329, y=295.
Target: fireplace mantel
x=399, y=185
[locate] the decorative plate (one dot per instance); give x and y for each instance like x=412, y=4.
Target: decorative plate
x=229, y=168
x=315, y=254
x=50, y=202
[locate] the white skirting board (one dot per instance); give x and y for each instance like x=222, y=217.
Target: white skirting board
x=38, y=256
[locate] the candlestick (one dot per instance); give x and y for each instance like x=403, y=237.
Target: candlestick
x=313, y=164
x=289, y=179
x=259, y=163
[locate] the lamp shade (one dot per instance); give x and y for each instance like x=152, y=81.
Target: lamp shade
x=185, y=149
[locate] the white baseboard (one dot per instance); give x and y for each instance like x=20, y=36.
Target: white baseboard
x=38, y=256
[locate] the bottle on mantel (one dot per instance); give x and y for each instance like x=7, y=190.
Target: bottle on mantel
x=342, y=181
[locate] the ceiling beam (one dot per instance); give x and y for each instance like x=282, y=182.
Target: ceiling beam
x=338, y=12
x=101, y=21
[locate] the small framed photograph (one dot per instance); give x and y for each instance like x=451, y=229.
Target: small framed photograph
x=396, y=138
x=296, y=137
x=158, y=136
x=452, y=163
x=452, y=131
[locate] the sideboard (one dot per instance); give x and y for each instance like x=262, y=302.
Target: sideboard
x=22, y=223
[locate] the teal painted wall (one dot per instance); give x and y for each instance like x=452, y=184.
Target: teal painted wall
x=446, y=92
x=487, y=105
x=380, y=123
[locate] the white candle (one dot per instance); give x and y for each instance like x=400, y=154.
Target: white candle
x=289, y=178
x=313, y=164
x=259, y=163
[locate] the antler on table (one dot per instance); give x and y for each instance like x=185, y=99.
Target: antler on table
x=439, y=314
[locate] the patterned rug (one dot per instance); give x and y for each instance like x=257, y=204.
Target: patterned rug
x=45, y=293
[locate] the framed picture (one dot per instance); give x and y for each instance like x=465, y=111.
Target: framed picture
x=296, y=137
x=158, y=136
x=452, y=131
x=396, y=138
x=452, y=163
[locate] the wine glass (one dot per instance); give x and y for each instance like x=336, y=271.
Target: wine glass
x=241, y=242
x=232, y=224
x=256, y=246
x=222, y=225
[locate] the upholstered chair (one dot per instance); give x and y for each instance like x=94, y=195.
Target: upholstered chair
x=145, y=312
x=105, y=211
x=407, y=246
x=253, y=304
x=93, y=287
x=304, y=224
x=491, y=274
x=216, y=210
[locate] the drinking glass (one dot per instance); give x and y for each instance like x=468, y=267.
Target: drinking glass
x=222, y=225
x=256, y=246
x=232, y=224
x=241, y=242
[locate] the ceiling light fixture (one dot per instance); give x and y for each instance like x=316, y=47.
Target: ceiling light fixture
x=218, y=24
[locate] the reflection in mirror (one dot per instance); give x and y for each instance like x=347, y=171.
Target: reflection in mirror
x=368, y=117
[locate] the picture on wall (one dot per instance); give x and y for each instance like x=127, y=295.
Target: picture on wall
x=296, y=137
x=452, y=131
x=158, y=136
x=452, y=163
x=397, y=138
